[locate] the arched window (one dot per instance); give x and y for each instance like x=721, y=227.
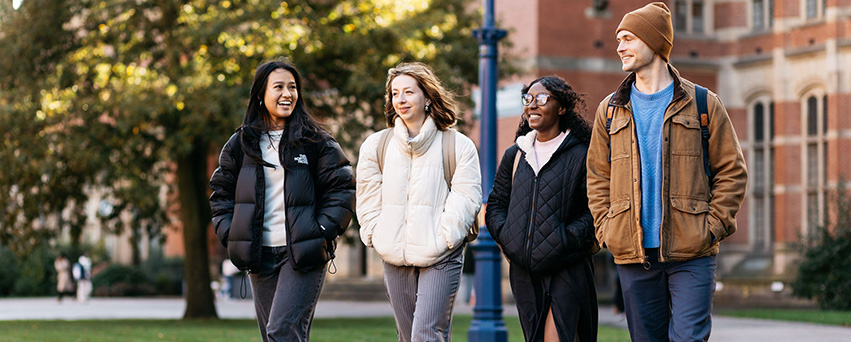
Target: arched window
x=815, y=160
x=762, y=178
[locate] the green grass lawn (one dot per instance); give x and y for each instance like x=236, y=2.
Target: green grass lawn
x=842, y=318
x=324, y=330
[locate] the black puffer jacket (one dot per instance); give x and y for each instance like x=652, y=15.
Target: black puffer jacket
x=542, y=223
x=319, y=193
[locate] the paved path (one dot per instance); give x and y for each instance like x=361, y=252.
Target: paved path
x=724, y=329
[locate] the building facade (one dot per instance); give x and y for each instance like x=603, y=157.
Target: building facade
x=782, y=69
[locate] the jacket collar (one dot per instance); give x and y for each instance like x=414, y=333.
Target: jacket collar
x=420, y=143
x=525, y=143
x=620, y=97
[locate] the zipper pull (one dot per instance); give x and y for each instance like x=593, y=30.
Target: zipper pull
x=646, y=263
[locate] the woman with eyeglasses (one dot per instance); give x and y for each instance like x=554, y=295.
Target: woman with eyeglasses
x=538, y=214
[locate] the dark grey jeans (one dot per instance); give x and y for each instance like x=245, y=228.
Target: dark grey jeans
x=284, y=299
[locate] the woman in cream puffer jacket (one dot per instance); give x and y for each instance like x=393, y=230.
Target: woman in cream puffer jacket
x=415, y=221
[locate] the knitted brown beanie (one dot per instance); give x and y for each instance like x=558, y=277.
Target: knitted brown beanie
x=652, y=24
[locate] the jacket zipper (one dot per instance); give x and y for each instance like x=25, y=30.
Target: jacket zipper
x=407, y=204
x=531, y=222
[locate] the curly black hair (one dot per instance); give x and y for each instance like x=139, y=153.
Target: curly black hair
x=568, y=99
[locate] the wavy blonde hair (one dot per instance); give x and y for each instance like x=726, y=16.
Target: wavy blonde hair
x=442, y=108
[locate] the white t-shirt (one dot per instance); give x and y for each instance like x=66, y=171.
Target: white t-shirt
x=544, y=149
x=274, y=225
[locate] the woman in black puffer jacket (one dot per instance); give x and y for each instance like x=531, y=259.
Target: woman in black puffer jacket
x=282, y=194
x=538, y=214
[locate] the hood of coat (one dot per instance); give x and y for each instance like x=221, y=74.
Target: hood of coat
x=420, y=143
x=526, y=143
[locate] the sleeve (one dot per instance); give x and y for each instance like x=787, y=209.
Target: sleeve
x=730, y=175
x=337, y=189
x=369, y=180
x=496, y=212
x=599, y=172
x=223, y=184
x=465, y=194
x=581, y=235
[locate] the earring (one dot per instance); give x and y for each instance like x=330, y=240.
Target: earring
x=261, y=103
x=426, y=108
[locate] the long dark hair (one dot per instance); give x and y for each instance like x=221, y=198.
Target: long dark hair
x=568, y=99
x=442, y=108
x=299, y=125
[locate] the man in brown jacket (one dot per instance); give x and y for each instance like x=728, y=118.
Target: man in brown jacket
x=664, y=184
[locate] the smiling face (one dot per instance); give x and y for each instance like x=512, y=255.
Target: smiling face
x=281, y=96
x=408, y=100
x=543, y=119
x=634, y=53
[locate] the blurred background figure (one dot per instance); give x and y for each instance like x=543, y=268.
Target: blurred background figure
x=64, y=285
x=82, y=274
x=468, y=277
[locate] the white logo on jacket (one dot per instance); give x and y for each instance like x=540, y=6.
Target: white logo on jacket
x=301, y=159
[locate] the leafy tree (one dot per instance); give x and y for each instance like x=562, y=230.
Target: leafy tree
x=115, y=97
x=825, y=268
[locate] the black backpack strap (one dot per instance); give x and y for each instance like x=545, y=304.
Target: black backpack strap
x=610, y=112
x=701, y=94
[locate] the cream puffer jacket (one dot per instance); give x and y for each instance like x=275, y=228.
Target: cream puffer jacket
x=408, y=214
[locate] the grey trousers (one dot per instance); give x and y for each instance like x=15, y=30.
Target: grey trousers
x=284, y=299
x=423, y=298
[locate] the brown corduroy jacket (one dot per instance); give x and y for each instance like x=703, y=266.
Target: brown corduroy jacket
x=697, y=212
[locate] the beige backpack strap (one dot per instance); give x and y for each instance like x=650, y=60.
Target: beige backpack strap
x=382, y=147
x=448, y=137
x=516, y=162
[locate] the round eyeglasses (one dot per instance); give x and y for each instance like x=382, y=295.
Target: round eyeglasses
x=540, y=99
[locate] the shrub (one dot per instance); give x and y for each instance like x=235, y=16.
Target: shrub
x=122, y=280
x=9, y=271
x=36, y=276
x=825, y=268
x=166, y=274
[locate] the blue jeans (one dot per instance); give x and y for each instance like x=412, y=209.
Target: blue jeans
x=671, y=301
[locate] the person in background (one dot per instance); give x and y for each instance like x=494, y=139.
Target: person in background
x=538, y=214
x=82, y=272
x=416, y=222
x=64, y=285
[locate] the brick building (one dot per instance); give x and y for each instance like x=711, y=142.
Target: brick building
x=782, y=68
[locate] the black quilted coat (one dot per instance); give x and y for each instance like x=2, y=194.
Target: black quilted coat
x=543, y=223
x=319, y=192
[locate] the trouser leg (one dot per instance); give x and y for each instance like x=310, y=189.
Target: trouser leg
x=436, y=291
x=400, y=282
x=646, y=300
x=285, y=300
x=692, y=286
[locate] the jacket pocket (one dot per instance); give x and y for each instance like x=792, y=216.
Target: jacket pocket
x=617, y=234
x=620, y=138
x=685, y=136
x=689, y=233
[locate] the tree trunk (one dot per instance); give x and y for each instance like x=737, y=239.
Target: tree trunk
x=195, y=214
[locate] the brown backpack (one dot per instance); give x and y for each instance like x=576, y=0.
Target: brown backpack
x=448, y=138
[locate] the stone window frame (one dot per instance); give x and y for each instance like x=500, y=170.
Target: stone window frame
x=813, y=159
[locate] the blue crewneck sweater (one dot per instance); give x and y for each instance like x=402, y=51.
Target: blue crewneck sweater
x=648, y=111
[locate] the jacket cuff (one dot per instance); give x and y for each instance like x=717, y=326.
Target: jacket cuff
x=716, y=227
